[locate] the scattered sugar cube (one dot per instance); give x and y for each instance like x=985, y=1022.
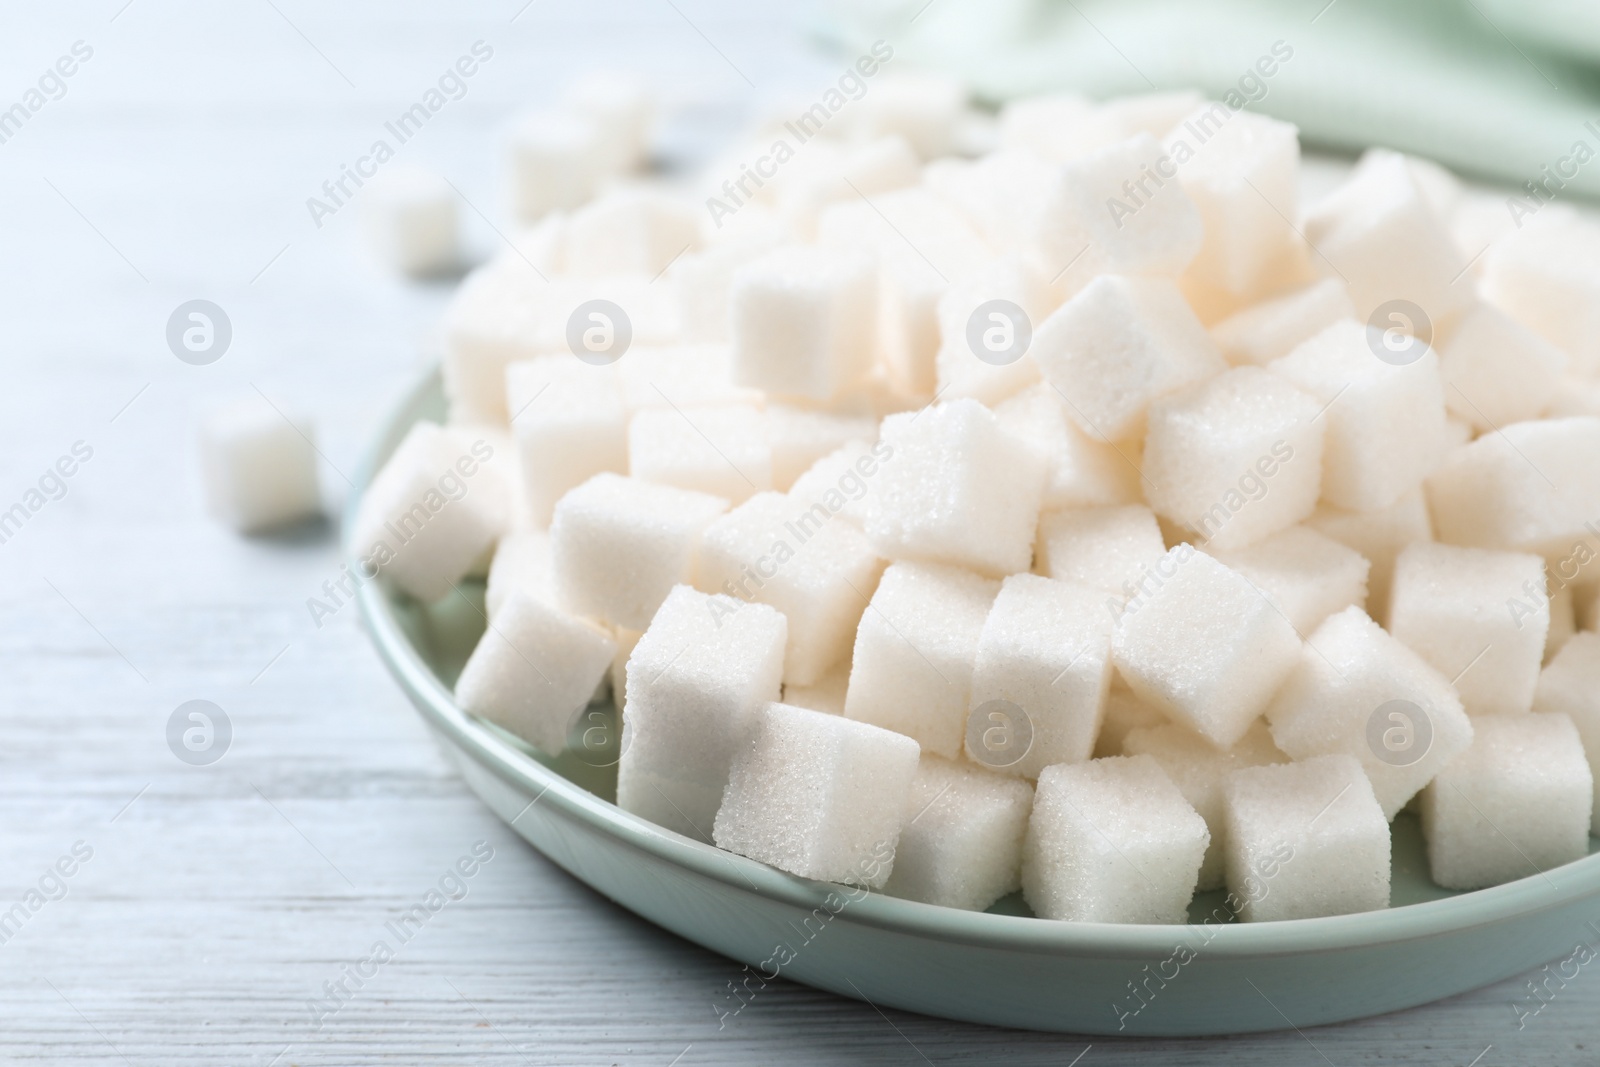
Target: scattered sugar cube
x=1273, y=328
x=721, y=449
x=437, y=506
x=1119, y=345
x=697, y=680
x=799, y=438
x=959, y=489
x=1200, y=770
x=817, y=570
x=622, y=108
x=818, y=796
x=630, y=230
x=1480, y=617
x=1307, y=575
x=804, y=321
x=534, y=670
x=1080, y=471
x=1111, y=548
x=1203, y=645
x=1517, y=802
x=1379, y=536
x=961, y=846
x=620, y=545
x=925, y=109
x=1357, y=691
x=258, y=467
x=1235, y=458
x=557, y=160
x=1385, y=422
x=1305, y=840
x=1570, y=686
x=1111, y=840
x=1546, y=275
x=826, y=694
x=1497, y=371
x=569, y=423
x=411, y=220
x=1125, y=713
x=915, y=650
x=992, y=374
x=522, y=564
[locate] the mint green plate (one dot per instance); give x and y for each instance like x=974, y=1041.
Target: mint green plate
x=1002, y=967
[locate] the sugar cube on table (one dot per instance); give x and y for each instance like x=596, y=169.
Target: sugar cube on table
x=984, y=349
x=717, y=449
x=818, y=796
x=958, y=489
x=1110, y=548
x=1357, y=691
x=1273, y=328
x=1045, y=656
x=1235, y=458
x=961, y=845
x=818, y=570
x=1080, y=471
x=1305, y=840
x=556, y=161
x=697, y=679
x=1117, y=346
x=1546, y=275
x=1125, y=713
x=804, y=321
x=622, y=108
x=1203, y=645
x=569, y=423
x=1385, y=422
x=799, y=437
x=1111, y=840
x=258, y=467
x=1497, y=371
x=534, y=669
x=1200, y=770
x=911, y=670
x=1380, y=536
x=1570, y=686
x=826, y=694
x=1307, y=575
x=412, y=220
x=619, y=545
x=1478, y=616
x=1515, y=803
x=433, y=511
x=1531, y=487
x=630, y=230
x=522, y=564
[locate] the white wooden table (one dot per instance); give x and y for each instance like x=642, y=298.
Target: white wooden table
x=218, y=900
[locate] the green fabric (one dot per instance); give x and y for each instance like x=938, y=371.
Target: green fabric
x=1494, y=88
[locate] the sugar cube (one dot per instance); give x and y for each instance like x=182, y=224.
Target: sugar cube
x=818, y=796
x=925, y=109
x=1546, y=275
x=1125, y=713
x=534, y=670
x=1203, y=645
x=959, y=489
x=619, y=545
x=627, y=640
x=804, y=321
x=680, y=376
x=1118, y=345
x=826, y=694
x=1563, y=620
x=1080, y=471
x=1001, y=362
x=798, y=438
x=1379, y=536
x=915, y=650
x=1273, y=328
x=1307, y=575
x=1305, y=840
x=1110, y=548
x=862, y=170
x=622, y=108
x=1515, y=803
x=258, y=466
x=557, y=159
x=1051, y=126
x=1111, y=840
x=522, y=564
x=1357, y=691
x=716, y=449
x=961, y=845
x=1000, y=194
x=411, y=219
x=1497, y=371
x=1570, y=686
x=569, y=423
x=703, y=282
x=843, y=479
x=630, y=230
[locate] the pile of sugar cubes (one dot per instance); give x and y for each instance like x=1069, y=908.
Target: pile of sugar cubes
x=956, y=504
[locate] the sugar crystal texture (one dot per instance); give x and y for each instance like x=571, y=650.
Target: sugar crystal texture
x=1080, y=471
x=1111, y=548
x=961, y=846
x=259, y=468
x=1305, y=574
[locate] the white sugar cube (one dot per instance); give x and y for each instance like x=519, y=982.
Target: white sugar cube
x=680, y=376
x=863, y=170
x=959, y=489
x=1546, y=275
x=557, y=159
x=1380, y=536
x=569, y=423
x=703, y=282
x=915, y=649
x=1200, y=770
x=992, y=370
x=1111, y=840
x=522, y=564
x=1045, y=656
x=534, y=670
x=1051, y=125
x=258, y=467
x=1385, y=422
x=721, y=449
x=1515, y=803
x=1271, y=329
x=818, y=796
x=816, y=569
x=619, y=545
x=842, y=480
x=1563, y=620
x=961, y=846
x=1497, y=371
x=1306, y=574
x=799, y=438
x=1305, y=840
x=1000, y=194
x=696, y=680
x=1357, y=691
x=925, y=109
x=1532, y=487
x=804, y=321
x=826, y=694
x=437, y=506
x=1478, y=616
x=1125, y=713
x=622, y=108
x=411, y=220
x=1110, y=548
x=1203, y=645
x=1119, y=345
x=627, y=640
x=630, y=230
x=1235, y=458
x=1570, y=686
x=1080, y=471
